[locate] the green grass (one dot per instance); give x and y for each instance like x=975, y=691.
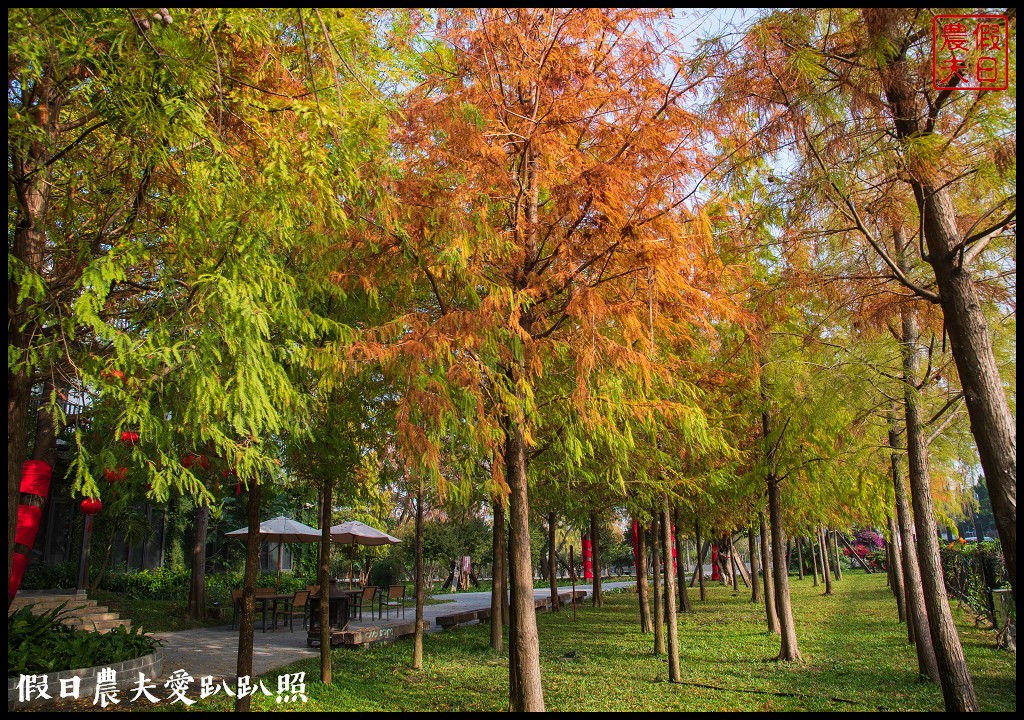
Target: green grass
x=155, y=616
x=855, y=657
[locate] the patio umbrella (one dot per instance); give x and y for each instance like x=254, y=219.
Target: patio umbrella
x=280, y=530
x=355, y=533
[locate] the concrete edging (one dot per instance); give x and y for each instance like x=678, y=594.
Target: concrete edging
x=151, y=666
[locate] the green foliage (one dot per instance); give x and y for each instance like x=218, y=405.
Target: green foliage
x=41, y=644
x=41, y=576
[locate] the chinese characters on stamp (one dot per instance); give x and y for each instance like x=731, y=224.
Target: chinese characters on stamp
x=970, y=52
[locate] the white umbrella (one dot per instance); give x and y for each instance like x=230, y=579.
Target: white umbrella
x=280, y=530
x=355, y=533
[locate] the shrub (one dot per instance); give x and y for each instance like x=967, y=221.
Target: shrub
x=163, y=583
x=40, y=576
x=42, y=644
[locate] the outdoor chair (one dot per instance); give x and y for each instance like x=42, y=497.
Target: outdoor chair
x=395, y=599
x=367, y=596
x=298, y=607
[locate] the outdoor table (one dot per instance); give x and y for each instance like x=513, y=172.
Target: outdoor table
x=337, y=610
x=266, y=600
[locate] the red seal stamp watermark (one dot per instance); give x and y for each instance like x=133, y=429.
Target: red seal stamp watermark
x=970, y=52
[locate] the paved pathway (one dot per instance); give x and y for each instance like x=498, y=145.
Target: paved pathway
x=214, y=650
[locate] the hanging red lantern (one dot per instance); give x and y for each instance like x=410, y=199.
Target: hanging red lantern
x=91, y=506
x=129, y=438
x=115, y=476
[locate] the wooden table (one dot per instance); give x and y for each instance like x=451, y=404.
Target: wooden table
x=266, y=600
x=337, y=612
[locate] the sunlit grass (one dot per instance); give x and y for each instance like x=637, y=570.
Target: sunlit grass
x=855, y=657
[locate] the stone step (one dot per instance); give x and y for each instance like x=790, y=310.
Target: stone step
x=45, y=603
x=96, y=613
x=101, y=626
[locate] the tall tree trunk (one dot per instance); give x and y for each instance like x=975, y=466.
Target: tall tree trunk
x=733, y=562
x=992, y=423
x=417, y=648
x=789, y=650
x=917, y=629
x=528, y=692
x=957, y=687
x=324, y=579
x=755, y=581
x=595, y=553
x=247, y=622
x=897, y=569
x=642, y=586
x=659, y=607
x=197, y=584
x=800, y=557
x=514, y=695
x=768, y=579
x=826, y=571
x=815, y=563
x=552, y=562
x=30, y=177
x=670, y=594
x=700, y=559
x=684, y=595
x=498, y=590
x=830, y=538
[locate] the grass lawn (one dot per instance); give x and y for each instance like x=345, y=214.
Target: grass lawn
x=855, y=657
x=155, y=615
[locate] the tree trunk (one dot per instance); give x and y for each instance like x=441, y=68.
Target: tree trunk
x=552, y=564
x=769, y=581
x=755, y=581
x=324, y=579
x=95, y=584
x=595, y=554
x=684, y=596
x=197, y=585
x=815, y=563
x=498, y=591
x=992, y=424
x=659, y=607
x=789, y=650
x=700, y=560
x=733, y=562
x=917, y=629
x=642, y=586
x=957, y=687
x=670, y=595
x=897, y=569
x=30, y=177
x=826, y=571
x=528, y=695
x=247, y=621
x=514, y=696
x=417, y=648
x=800, y=557
x=831, y=540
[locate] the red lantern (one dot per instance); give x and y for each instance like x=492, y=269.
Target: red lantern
x=115, y=476
x=91, y=506
x=129, y=438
